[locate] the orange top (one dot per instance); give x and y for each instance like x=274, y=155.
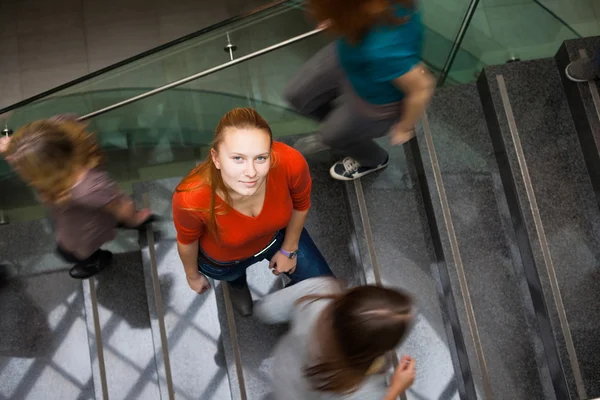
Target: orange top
x=240, y=236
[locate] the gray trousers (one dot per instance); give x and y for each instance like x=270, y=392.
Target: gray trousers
x=349, y=124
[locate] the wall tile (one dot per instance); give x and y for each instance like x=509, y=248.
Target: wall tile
x=47, y=51
x=10, y=89
x=35, y=81
x=34, y=16
x=9, y=51
x=118, y=40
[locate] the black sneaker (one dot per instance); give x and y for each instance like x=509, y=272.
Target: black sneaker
x=349, y=169
x=583, y=70
x=85, y=271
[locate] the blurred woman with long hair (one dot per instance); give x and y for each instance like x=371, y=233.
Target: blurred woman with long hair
x=368, y=83
x=61, y=161
x=338, y=341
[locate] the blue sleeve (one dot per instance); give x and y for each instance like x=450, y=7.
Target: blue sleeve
x=398, y=50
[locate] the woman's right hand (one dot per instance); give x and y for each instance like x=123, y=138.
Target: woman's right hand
x=403, y=378
x=199, y=284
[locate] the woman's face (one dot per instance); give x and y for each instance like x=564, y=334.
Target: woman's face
x=244, y=159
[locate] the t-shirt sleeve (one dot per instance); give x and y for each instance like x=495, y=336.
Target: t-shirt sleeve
x=97, y=190
x=188, y=223
x=398, y=51
x=299, y=180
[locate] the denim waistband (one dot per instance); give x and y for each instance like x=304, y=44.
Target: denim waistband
x=205, y=258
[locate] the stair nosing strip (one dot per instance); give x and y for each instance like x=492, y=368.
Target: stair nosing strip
x=541, y=236
x=160, y=312
x=237, y=355
x=592, y=86
x=364, y=217
x=98, y=338
x=457, y=258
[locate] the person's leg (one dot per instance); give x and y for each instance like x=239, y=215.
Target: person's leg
x=316, y=85
x=351, y=133
x=235, y=278
x=310, y=262
x=86, y=268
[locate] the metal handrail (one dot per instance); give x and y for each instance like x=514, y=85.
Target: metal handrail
x=203, y=73
x=144, y=54
x=458, y=41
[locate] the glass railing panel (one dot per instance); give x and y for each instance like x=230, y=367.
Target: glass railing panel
x=583, y=16
x=500, y=32
x=180, y=60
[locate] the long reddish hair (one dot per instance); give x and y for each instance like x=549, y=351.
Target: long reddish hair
x=206, y=173
x=354, y=18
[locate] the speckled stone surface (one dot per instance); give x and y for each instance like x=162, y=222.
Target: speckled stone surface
x=568, y=210
x=465, y=155
x=44, y=351
x=30, y=246
x=405, y=257
x=194, y=343
x=125, y=330
x=586, y=116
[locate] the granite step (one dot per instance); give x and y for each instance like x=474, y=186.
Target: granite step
x=188, y=337
x=44, y=351
x=497, y=316
x=554, y=213
x=584, y=103
x=120, y=333
x=396, y=250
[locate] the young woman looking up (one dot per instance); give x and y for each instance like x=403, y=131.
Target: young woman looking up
x=248, y=201
x=375, y=70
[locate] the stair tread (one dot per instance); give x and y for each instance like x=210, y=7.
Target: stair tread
x=494, y=276
x=405, y=256
x=44, y=346
x=565, y=199
x=194, y=336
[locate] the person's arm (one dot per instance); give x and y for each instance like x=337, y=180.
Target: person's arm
x=418, y=86
x=294, y=230
x=300, y=186
x=189, y=230
x=403, y=378
x=125, y=212
x=278, y=307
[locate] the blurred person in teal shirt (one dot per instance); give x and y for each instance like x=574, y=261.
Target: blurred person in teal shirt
x=368, y=83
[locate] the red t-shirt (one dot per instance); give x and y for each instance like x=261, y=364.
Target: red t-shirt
x=240, y=236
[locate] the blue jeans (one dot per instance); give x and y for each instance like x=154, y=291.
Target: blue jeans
x=310, y=262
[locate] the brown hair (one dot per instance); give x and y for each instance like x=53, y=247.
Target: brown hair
x=354, y=18
x=207, y=174
x=49, y=154
x=360, y=326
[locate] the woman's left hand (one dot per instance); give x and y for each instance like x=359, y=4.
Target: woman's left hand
x=280, y=263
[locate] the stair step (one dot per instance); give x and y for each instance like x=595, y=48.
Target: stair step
x=554, y=212
x=119, y=297
x=196, y=366
x=471, y=214
x=584, y=102
x=44, y=349
x=403, y=250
